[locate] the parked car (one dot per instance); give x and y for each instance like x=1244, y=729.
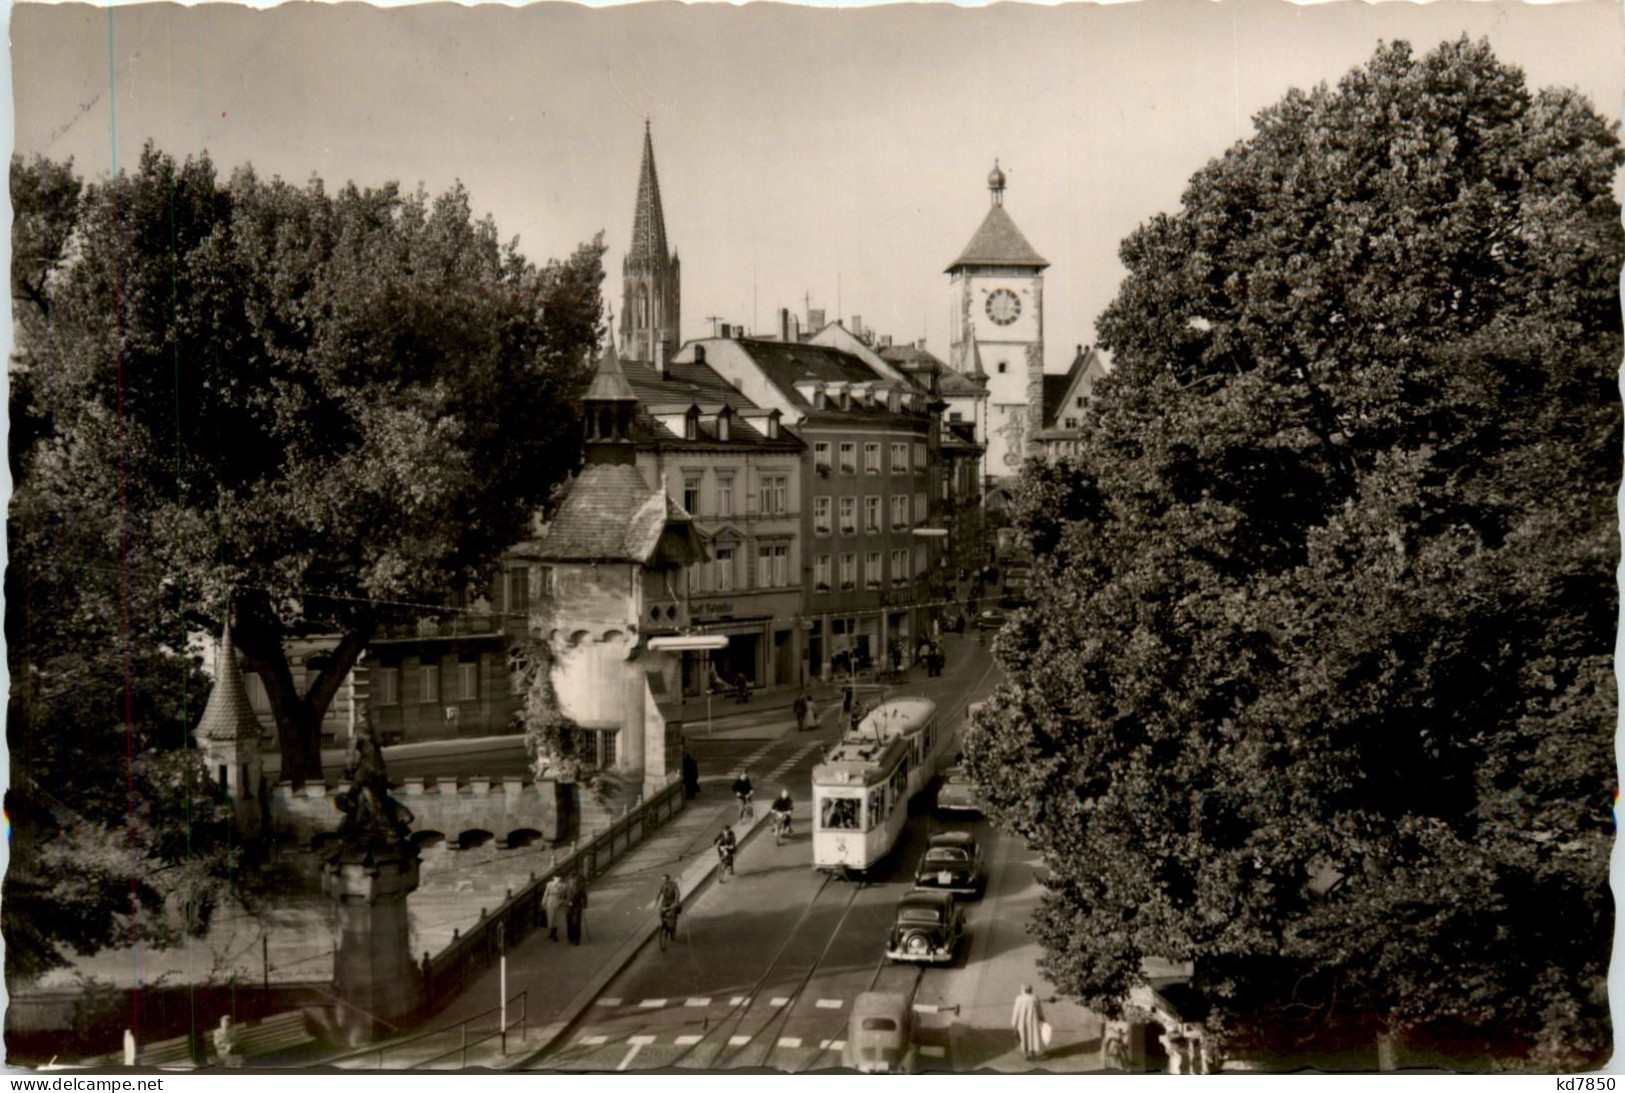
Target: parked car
x=958, y=793
x=927, y=928
x=952, y=863
x=991, y=619
x=880, y=1035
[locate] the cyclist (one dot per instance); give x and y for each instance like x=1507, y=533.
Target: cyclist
x=743, y=791
x=726, y=844
x=669, y=904
x=782, y=808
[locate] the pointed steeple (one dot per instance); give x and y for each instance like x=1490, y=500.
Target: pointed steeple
x=609, y=381
x=651, y=276
x=648, y=249
x=228, y=714
x=973, y=366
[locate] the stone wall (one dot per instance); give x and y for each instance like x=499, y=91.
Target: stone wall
x=503, y=806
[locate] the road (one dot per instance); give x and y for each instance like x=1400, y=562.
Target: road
x=766, y=966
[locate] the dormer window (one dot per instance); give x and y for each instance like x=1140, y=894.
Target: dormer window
x=724, y=424
x=894, y=400
x=691, y=425
x=820, y=399
x=773, y=426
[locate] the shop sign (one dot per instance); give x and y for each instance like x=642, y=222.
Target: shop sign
x=715, y=607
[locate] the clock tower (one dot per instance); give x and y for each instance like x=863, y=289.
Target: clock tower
x=998, y=322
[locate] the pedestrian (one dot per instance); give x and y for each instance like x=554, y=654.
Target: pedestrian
x=1028, y=1020
x=799, y=708
x=812, y=713
x=575, y=909
x=923, y=655
x=741, y=688
x=691, y=775
x=553, y=905
x=129, y=1047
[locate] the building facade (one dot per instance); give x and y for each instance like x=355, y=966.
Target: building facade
x=997, y=284
x=869, y=484
x=1066, y=400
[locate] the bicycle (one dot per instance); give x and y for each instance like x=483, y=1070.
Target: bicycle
x=725, y=862
x=747, y=811
x=781, y=827
x=668, y=925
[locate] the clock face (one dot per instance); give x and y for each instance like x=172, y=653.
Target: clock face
x=1003, y=306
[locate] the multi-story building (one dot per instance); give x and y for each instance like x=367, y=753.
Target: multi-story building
x=869, y=484
x=738, y=472
x=1066, y=398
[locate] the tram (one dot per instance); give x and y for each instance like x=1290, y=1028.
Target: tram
x=862, y=788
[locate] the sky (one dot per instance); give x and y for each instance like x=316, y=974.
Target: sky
x=831, y=156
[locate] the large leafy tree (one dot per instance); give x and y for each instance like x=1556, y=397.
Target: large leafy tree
x=325, y=409
x=1317, y=691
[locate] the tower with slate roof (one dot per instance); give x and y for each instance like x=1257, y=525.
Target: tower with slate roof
x=228, y=735
x=997, y=285
x=651, y=276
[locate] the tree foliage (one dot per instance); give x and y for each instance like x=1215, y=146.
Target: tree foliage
x=1317, y=691
x=318, y=406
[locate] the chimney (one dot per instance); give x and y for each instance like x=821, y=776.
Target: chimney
x=784, y=324
x=815, y=319
x=857, y=325
x=885, y=341
x=795, y=328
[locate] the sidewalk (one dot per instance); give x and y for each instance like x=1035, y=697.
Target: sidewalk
x=558, y=980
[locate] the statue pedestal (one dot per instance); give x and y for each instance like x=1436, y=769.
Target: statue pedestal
x=374, y=973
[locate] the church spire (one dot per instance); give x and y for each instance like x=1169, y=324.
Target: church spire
x=651, y=274
x=648, y=248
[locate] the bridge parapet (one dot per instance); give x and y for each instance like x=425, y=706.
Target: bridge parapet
x=504, y=806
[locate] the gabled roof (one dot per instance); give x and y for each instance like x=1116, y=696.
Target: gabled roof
x=787, y=363
x=687, y=382
x=998, y=242
x=610, y=514
x=954, y=384
x=1079, y=379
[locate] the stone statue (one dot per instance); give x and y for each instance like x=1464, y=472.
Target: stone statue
x=371, y=816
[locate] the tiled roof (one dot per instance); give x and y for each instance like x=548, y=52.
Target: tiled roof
x=1086, y=365
x=228, y=715
x=955, y=384
x=608, y=381
x=1054, y=391
x=909, y=356
x=787, y=363
x=687, y=382
x=998, y=242
x=609, y=515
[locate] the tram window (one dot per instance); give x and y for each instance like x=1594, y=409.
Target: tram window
x=839, y=814
x=877, y=807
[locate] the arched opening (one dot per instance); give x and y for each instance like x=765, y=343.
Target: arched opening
x=518, y=840
x=473, y=839
x=425, y=840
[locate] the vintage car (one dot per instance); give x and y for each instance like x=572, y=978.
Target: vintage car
x=952, y=863
x=927, y=928
x=990, y=619
x=958, y=793
x=880, y=1035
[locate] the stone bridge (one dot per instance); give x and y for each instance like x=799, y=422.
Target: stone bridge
x=512, y=810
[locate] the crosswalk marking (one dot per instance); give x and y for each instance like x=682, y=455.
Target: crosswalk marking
x=652, y=1003
x=697, y=1002
x=933, y=1051
x=828, y=1003
x=685, y=1041
x=789, y=1041
x=594, y=1041
x=779, y=1002
x=831, y=1045
x=738, y=1041
x=739, y=1000
x=640, y=1041
x=607, y=1002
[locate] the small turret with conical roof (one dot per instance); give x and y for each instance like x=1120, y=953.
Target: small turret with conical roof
x=609, y=406
x=228, y=735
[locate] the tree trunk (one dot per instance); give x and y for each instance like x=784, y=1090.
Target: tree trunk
x=298, y=716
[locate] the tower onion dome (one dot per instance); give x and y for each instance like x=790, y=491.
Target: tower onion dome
x=995, y=182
